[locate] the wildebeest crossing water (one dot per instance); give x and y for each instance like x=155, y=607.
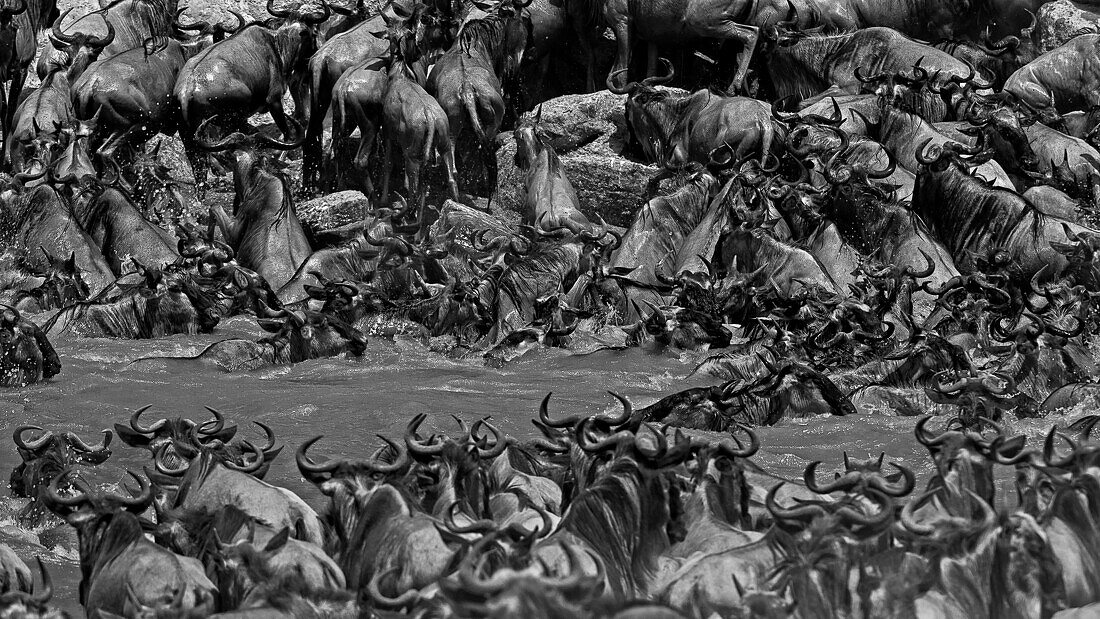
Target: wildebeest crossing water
x=350, y=400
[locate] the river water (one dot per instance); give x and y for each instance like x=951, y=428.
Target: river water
x=349, y=400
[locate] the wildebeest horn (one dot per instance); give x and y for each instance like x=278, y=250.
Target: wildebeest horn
x=217, y=424
x=100, y=43
x=405, y=599
x=628, y=410
x=230, y=141
x=135, y=422
x=241, y=22
x=53, y=499
x=283, y=14
x=927, y=159
x=846, y=481
x=414, y=444
x=655, y=80
x=279, y=144
x=1050, y=457
x=107, y=436
x=247, y=468
x=143, y=497
x=484, y=525
x=924, y=437
x=399, y=462
x=1000, y=449
x=9, y=12
x=500, y=441
x=910, y=522
x=17, y=436
x=198, y=26
x=732, y=448
x=903, y=487
x=307, y=466
x=544, y=415
x=930, y=266
x=802, y=512
x=55, y=30
x=269, y=434
x=628, y=89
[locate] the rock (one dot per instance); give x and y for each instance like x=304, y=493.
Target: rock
x=1062, y=20
x=334, y=210
x=588, y=131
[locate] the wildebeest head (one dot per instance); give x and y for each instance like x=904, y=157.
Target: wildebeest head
x=217, y=32
x=82, y=48
x=333, y=474
x=26, y=356
x=32, y=603
x=63, y=283
x=305, y=334
x=651, y=114
x=92, y=513
x=296, y=36
x=49, y=454
x=964, y=458
x=1005, y=134
x=164, y=433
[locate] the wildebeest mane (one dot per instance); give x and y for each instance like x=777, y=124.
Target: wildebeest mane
x=954, y=200
x=623, y=516
x=488, y=33
x=796, y=70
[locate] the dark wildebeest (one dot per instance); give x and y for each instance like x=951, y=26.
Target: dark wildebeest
x=48, y=109
x=117, y=562
x=1063, y=80
x=130, y=95
x=122, y=232
x=161, y=303
x=972, y=218
x=135, y=21
x=674, y=128
x=264, y=230
x=812, y=64
x=48, y=222
x=357, y=99
x=247, y=73
x=467, y=83
x=28, y=25
x=414, y=121
x=44, y=458
x=26, y=356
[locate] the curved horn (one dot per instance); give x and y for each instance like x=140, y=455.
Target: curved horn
x=135, y=423
x=312, y=470
x=247, y=468
x=55, y=30
x=17, y=436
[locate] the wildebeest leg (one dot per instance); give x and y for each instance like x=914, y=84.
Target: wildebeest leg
x=622, y=58
x=18, y=78
x=412, y=186
x=197, y=159
x=651, y=60
x=584, y=38
x=387, y=168
x=747, y=36
x=275, y=107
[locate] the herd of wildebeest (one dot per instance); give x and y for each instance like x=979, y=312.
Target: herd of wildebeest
x=867, y=206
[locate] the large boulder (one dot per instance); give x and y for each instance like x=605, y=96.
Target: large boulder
x=1060, y=21
x=334, y=210
x=589, y=134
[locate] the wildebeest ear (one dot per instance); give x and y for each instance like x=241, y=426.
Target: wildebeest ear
x=127, y=435
x=70, y=264
x=271, y=325
x=277, y=542
x=316, y=292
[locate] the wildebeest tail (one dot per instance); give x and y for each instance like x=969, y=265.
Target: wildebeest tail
x=470, y=101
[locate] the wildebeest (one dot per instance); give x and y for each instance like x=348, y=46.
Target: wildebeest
x=26, y=356
x=466, y=81
x=116, y=558
x=130, y=94
x=812, y=64
x=48, y=222
x=357, y=99
x=1064, y=79
x=44, y=458
x=28, y=25
x=264, y=230
x=122, y=233
x=216, y=81
x=673, y=128
x=972, y=218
